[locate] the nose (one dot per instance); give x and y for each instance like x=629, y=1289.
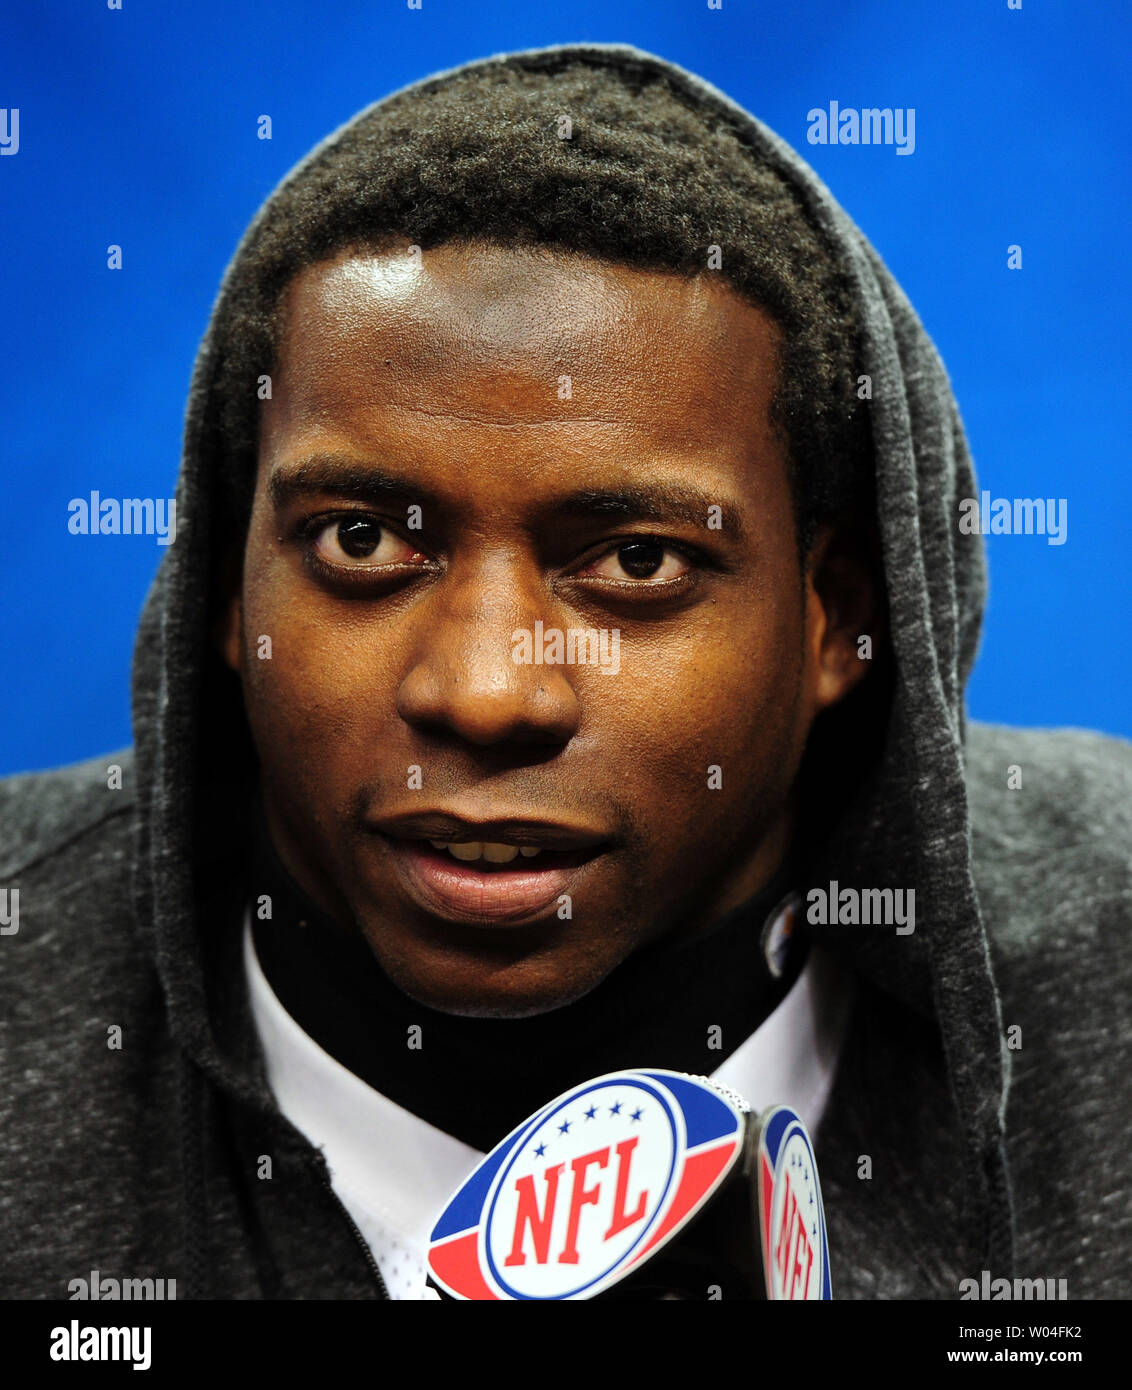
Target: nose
x=464, y=680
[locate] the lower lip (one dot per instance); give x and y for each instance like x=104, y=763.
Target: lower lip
x=464, y=892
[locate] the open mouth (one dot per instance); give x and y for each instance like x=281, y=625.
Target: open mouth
x=487, y=856
x=491, y=882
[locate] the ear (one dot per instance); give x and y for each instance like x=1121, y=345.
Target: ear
x=228, y=625
x=842, y=610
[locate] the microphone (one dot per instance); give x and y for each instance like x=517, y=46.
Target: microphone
x=638, y=1185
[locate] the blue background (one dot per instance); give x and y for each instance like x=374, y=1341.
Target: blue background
x=139, y=128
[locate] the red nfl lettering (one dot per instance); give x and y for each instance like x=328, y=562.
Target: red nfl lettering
x=801, y=1246
x=581, y=1196
x=621, y=1218
x=528, y=1215
x=794, y=1255
x=789, y=1210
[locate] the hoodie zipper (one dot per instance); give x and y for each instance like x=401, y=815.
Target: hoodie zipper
x=324, y=1175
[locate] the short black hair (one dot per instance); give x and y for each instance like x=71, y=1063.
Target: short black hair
x=616, y=161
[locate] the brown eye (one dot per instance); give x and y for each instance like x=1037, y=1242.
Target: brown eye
x=361, y=542
x=360, y=538
x=641, y=559
x=646, y=559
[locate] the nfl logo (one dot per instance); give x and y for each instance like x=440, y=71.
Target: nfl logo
x=576, y=1198
x=795, y=1248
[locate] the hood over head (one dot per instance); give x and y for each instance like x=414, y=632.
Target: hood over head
x=904, y=821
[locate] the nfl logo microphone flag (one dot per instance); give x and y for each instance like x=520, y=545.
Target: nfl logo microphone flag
x=639, y=1184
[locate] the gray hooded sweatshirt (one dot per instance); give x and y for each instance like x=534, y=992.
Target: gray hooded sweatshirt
x=984, y=1074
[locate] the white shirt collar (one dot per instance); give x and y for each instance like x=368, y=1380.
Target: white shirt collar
x=395, y=1172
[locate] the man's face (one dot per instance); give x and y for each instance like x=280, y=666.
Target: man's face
x=465, y=453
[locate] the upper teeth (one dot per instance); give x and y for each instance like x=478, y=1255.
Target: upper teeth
x=482, y=849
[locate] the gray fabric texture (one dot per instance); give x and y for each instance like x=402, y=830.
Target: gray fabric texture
x=144, y=1160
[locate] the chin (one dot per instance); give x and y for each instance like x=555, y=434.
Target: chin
x=511, y=991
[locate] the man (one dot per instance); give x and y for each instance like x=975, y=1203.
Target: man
x=568, y=597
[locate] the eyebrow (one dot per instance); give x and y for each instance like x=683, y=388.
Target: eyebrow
x=658, y=502
x=344, y=476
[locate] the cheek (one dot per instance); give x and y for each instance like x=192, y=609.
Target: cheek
x=321, y=705
x=724, y=695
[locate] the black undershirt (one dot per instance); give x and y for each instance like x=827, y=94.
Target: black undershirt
x=478, y=1078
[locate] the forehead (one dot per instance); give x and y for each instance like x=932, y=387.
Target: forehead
x=525, y=335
